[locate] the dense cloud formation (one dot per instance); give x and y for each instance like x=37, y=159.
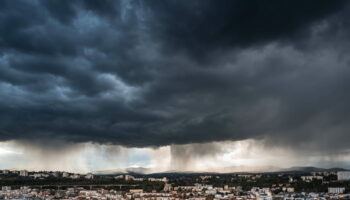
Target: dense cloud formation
x=153, y=73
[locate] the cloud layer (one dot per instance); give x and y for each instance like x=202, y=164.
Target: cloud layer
x=155, y=73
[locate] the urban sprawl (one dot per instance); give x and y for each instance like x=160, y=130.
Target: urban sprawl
x=21, y=185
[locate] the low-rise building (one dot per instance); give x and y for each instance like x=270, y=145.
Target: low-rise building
x=336, y=190
x=343, y=175
x=23, y=173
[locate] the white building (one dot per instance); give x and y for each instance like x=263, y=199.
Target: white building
x=23, y=173
x=311, y=178
x=128, y=177
x=336, y=190
x=136, y=191
x=164, y=179
x=343, y=176
x=6, y=188
x=65, y=174
x=211, y=192
x=37, y=175
x=89, y=176
x=167, y=187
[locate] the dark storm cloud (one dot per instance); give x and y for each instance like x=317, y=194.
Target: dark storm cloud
x=197, y=26
x=151, y=73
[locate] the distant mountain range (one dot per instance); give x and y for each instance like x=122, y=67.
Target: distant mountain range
x=231, y=169
x=312, y=169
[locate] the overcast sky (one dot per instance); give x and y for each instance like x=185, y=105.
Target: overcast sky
x=194, y=81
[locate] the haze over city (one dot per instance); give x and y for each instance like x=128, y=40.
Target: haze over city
x=165, y=85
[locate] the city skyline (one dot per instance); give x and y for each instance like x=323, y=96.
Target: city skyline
x=174, y=85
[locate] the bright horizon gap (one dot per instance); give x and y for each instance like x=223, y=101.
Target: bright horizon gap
x=250, y=155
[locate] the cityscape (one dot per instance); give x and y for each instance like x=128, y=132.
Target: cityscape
x=174, y=99
x=293, y=185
